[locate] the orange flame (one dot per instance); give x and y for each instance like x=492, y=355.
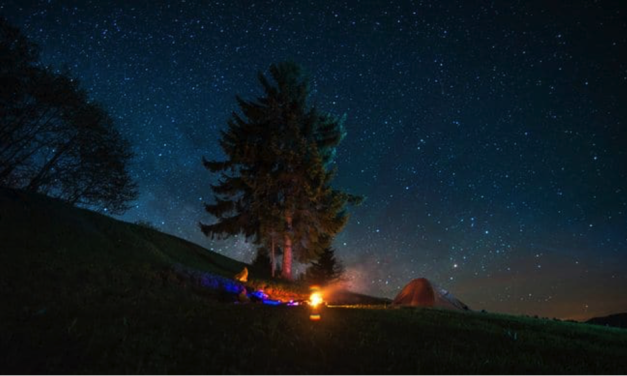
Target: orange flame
x=315, y=299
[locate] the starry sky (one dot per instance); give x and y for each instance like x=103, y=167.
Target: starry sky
x=488, y=137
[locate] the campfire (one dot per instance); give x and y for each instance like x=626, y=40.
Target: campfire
x=315, y=300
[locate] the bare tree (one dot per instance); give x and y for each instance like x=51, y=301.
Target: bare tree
x=53, y=139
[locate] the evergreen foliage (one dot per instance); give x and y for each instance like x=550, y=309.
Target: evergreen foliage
x=275, y=185
x=53, y=138
x=326, y=269
x=262, y=260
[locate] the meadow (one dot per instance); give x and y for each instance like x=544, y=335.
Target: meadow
x=85, y=293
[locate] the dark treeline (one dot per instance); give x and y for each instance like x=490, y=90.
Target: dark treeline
x=53, y=139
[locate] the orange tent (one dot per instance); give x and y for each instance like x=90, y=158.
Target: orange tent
x=422, y=293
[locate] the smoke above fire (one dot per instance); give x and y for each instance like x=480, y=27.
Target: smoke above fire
x=367, y=275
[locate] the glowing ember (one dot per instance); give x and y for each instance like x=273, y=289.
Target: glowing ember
x=314, y=317
x=315, y=299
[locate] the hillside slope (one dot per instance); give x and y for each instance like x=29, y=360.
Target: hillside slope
x=84, y=293
x=70, y=252
x=45, y=222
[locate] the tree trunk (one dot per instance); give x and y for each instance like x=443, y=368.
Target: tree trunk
x=272, y=261
x=286, y=272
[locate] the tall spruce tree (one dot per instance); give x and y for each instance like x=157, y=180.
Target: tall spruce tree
x=326, y=269
x=275, y=185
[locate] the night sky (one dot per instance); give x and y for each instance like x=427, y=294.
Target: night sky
x=489, y=140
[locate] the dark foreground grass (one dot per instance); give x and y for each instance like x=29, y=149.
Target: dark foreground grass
x=82, y=293
x=164, y=333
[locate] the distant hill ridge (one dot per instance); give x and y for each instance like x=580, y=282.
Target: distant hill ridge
x=618, y=320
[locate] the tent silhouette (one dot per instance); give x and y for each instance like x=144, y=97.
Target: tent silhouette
x=421, y=292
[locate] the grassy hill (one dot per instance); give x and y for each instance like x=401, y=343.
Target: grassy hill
x=84, y=293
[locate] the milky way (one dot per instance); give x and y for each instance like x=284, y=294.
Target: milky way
x=489, y=141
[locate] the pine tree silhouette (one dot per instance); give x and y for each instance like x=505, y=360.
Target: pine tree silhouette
x=275, y=185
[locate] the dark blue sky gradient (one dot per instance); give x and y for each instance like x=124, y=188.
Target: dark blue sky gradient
x=489, y=140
